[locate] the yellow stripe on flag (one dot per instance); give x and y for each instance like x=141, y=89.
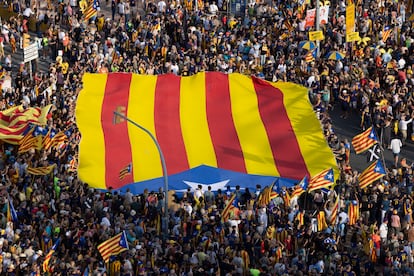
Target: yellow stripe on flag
x=306, y=125
x=146, y=162
x=89, y=104
x=193, y=115
x=245, y=105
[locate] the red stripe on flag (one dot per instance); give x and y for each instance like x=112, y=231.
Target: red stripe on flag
x=285, y=147
x=117, y=144
x=227, y=147
x=167, y=123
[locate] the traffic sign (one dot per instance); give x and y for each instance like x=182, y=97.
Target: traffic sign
x=31, y=52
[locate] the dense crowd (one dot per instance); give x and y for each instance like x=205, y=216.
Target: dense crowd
x=373, y=81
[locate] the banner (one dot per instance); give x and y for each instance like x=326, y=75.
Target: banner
x=206, y=119
x=350, y=18
x=316, y=35
x=323, y=15
x=310, y=18
x=352, y=36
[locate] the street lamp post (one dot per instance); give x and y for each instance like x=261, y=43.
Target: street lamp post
x=164, y=167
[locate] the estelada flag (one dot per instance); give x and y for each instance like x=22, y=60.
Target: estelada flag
x=364, y=140
x=16, y=121
x=227, y=121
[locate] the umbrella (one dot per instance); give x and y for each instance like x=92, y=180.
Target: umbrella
x=335, y=55
x=307, y=45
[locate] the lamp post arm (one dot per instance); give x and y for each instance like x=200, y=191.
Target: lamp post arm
x=164, y=166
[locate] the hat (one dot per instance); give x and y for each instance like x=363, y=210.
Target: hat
x=39, y=252
x=22, y=255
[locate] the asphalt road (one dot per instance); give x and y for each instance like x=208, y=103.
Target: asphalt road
x=348, y=128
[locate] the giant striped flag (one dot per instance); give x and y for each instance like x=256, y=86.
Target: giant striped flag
x=374, y=172
x=227, y=121
x=321, y=180
x=364, y=140
x=113, y=246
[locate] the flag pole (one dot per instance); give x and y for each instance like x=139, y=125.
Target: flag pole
x=164, y=166
x=317, y=25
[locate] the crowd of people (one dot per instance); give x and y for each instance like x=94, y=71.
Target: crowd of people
x=374, y=82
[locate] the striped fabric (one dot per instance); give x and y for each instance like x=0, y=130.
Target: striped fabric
x=49, y=256
x=300, y=188
x=41, y=170
x=29, y=141
x=323, y=179
x=364, y=140
x=374, y=172
x=205, y=119
x=225, y=214
x=113, y=246
x=386, y=33
x=265, y=196
x=91, y=11
x=335, y=212
x=15, y=122
x=353, y=212
x=321, y=221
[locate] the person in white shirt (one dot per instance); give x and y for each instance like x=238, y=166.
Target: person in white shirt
x=396, y=145
x=383, y=231
x=213, y=8
x=403, y=126
x=161, y=6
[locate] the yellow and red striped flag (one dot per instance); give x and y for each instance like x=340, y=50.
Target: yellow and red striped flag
x=113, y=246
x=374, y=172
x=335, y=211
x=300, y=217
x=266, y=196
x=58, y=139
x=207, y=118
x=91, y=11
x=125, y=171
x=321, y=180
x=225, y=214
x=364, y=140
x=49, y=256
x=353, y=212
x=386, y=33
x=30, y=141
x=321, y=221
x=16, y=121
x=41, y=170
